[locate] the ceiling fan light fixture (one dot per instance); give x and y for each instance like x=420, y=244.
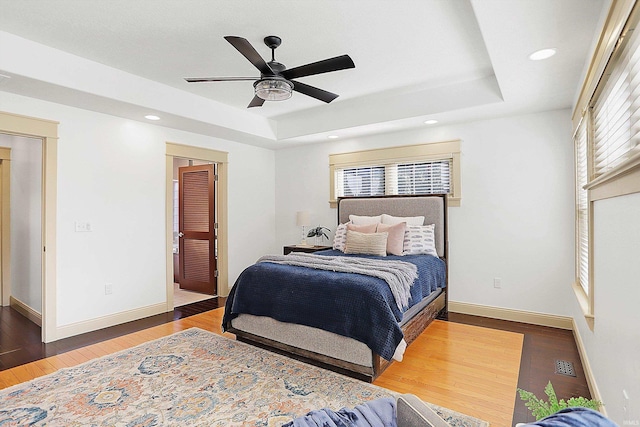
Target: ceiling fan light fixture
x=273, y=89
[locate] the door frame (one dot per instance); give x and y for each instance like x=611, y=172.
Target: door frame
x=207, y=155
x=47, y=131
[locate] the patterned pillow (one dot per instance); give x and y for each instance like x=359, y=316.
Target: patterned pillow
x=340, y=238
x=420, y=240
x=366, y=243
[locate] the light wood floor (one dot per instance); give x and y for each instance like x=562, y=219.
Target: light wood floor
x=466, y=368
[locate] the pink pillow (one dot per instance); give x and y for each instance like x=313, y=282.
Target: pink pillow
x=395, y=240
x=365, y=228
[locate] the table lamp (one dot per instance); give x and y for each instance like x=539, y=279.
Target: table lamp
x=303, y=220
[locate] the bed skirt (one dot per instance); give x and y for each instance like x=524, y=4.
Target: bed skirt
x=326, y=349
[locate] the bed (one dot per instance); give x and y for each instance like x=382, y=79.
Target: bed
x=304, y=312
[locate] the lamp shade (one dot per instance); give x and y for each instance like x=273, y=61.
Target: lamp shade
x=302, y=218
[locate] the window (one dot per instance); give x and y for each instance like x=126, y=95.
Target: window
x=424, y=178
x=616, y=114
x=412, y=169
x=367, y=181
x=607, y=134
x=582, y=208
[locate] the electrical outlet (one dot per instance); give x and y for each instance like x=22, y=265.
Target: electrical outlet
x=497, y=282
x=108, y=289
x=82, y=226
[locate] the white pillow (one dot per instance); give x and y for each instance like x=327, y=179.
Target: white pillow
x=366, y=243
x=364, y=220
x=340, y=238
x=420, y=240
x=410, y=220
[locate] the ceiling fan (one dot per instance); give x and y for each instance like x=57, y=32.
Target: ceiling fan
x=276, y=81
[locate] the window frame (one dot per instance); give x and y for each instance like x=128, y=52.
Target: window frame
x=446, y=150
x=584, y=296
x=624, y=178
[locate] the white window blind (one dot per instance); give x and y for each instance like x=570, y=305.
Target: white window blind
x=424, y=178
x=365, y=181
x=582, y=208
x=431, y=177
x=616, y=111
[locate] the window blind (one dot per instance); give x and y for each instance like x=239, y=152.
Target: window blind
x=432, y=177
x=365, y=181
x=582, y=207
x=616, y=111
x=424, y=178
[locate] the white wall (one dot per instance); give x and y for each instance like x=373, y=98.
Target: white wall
x=26, y=219
x=111, y=173
x=613, y=347
x=516, y=220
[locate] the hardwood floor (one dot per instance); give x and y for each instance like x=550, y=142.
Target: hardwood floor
x=541, y=348
x=20, y=339
x=20, y=344
x=466, y=368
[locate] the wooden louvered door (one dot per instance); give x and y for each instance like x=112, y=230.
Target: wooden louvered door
x=197, y=254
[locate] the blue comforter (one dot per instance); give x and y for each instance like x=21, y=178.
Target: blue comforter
x=348, y=304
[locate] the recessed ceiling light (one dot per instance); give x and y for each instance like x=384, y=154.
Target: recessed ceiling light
x=430, y=122
x=542, y=54
x=333, y=137
x=151, y=117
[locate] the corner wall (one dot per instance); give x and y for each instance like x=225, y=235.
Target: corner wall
x=516, y=219
x=613, y=346
x=111, y=173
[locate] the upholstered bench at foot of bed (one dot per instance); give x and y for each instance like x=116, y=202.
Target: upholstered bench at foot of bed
x=405, y=411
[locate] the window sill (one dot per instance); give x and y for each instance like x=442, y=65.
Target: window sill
x=622, y=180
x=585, y=305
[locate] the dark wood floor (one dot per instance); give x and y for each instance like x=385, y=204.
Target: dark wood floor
x=20, y=339
x=20, y=343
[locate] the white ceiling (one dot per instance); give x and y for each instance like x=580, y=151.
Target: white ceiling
x=451, y=60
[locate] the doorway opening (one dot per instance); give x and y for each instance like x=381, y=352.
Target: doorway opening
x=21, y=255
x=45, y=131
x=216, y=242
x=194, y=231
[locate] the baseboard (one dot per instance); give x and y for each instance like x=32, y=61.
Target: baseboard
x=586, y=367
x=26, y=311
x=531, y=317
x=110, y=320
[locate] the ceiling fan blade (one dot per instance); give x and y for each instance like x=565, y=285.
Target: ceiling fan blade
x=218, y=79
x=325, y=66
x=256, y=102
x=244, y=47
x=314, y=92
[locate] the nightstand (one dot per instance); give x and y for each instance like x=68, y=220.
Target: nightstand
x=306, y=249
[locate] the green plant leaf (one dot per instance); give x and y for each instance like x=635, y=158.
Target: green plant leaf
x=541, y=409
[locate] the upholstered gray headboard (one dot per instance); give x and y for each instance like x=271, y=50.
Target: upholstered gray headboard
x=434, y=209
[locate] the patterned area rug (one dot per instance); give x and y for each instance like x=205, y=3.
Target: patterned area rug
x=193, y=377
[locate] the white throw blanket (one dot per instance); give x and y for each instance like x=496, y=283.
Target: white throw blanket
x=399, y=275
